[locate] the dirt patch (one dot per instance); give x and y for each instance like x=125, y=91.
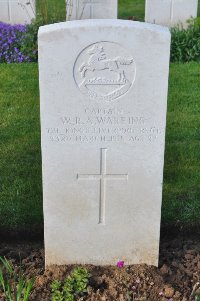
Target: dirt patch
x=177, y=274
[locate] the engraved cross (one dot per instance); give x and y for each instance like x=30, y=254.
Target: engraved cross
x=102, y=177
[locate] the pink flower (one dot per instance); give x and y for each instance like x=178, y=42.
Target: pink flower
x=133, y=288
x=120, y=264
x=161, y=294
x=171, y=299
x=137, y=281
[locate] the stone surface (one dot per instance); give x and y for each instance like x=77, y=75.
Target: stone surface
x=17, y=11
x=103, y=112
x=170, y=12
x=91, y=9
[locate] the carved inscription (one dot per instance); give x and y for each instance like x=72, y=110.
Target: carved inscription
x=103, y=125
x=102, y=177
x=102, y=75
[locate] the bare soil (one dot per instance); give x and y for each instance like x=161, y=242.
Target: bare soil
x=174, y=279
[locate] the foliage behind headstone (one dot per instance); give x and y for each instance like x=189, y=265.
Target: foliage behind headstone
x=185, y=46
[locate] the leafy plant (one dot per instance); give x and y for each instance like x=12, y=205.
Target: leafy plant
x=15, y=288
x=46, y=14
x=185, y=45
x=74, y=286
x=30, y=43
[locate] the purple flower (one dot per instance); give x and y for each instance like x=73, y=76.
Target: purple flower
x=12, y=38
x=120, y=264
x=20, y=59
x=161, y=294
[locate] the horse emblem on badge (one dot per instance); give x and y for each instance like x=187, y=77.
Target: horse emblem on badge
x=104, y=71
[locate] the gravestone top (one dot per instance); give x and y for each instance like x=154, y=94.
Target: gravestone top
x=170, y=13
x=103, y=117
x=50, y=28
x=91, y=9
x=17, y=11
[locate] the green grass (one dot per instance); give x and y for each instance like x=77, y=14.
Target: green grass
x=52, y=9
x=182, y=161
x=132, y=8
x=20, y=162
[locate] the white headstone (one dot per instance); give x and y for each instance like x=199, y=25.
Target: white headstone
x=17, y=11
x=170, y=13
x=103, y=90
x=4, y=11
x=91, y=9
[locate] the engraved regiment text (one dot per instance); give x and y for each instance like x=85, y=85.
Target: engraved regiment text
x=103, y=125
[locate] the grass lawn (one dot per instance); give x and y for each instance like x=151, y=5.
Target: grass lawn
x=181, y=196
x=52, y=8
x=130, y=8
x=20, y=162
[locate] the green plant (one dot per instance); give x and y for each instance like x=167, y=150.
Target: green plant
x=74, y=286
x=30, y=43
x=47, y=13
x=51, y=11
x=29, y=47
x=15, y=288
x=185, y=45
x=42, y=8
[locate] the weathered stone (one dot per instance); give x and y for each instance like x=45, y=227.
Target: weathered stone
x=103, y=90
x=17, y=11
x=170, y=12
x=91, y=9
